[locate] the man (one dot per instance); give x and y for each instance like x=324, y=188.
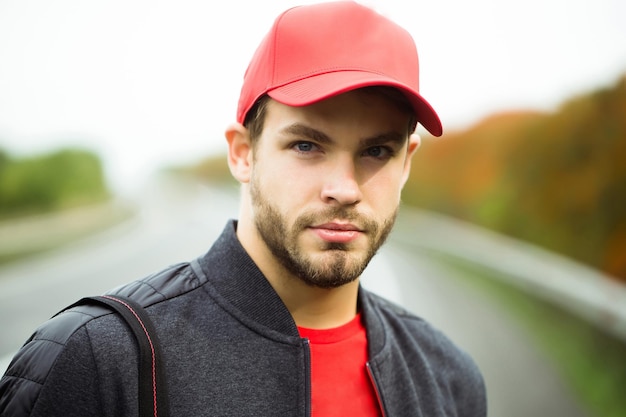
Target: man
x=272, y=320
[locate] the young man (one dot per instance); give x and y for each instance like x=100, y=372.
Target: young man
x=272, y=320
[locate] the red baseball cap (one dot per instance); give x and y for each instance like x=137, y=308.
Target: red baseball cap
x=317, y=51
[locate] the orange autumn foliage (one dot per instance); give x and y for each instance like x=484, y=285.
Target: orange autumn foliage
x=557, y=180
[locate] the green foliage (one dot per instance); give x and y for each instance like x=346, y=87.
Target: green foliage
x=557, y=180
x=48, y=182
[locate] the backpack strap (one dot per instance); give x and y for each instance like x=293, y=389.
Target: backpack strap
x=153, y=400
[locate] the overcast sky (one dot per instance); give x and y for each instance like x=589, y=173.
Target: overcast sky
x=148, y=82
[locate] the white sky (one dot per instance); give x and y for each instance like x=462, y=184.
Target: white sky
x=147, y=82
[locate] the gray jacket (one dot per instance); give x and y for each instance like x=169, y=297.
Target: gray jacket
x=231, y=349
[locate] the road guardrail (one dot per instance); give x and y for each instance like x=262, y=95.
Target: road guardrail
x=575, y=287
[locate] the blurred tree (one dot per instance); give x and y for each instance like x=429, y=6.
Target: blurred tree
x=213, y=169
x=41, y=183
x=557, y=180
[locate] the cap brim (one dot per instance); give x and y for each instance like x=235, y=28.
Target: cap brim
x=313, y=89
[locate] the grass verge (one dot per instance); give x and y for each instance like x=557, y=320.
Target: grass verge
x=24, y=237
x=592, y=362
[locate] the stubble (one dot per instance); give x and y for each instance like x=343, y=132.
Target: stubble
x=335, y=264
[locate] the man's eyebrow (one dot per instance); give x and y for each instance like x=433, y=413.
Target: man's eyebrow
x=392, y=138
x=306, y=132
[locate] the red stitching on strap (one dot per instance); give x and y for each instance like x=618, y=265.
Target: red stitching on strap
x=154, y=390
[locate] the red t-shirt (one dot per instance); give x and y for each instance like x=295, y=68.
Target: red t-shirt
x=340, y=384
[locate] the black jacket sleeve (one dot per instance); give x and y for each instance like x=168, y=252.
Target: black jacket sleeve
x=54, y=373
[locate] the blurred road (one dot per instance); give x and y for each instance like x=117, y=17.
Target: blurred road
x=176, y=222
x=180, y=221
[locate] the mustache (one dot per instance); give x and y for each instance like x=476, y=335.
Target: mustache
x=346, y=214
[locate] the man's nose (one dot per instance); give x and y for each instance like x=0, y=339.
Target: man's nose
x=341, y=185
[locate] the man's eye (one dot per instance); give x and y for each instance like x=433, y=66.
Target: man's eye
x=304, y=147
x=380, y=152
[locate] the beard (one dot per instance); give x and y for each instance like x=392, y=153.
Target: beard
x=339, y=263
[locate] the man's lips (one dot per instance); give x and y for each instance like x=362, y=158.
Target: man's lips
x=345, y=227
x=337, y=232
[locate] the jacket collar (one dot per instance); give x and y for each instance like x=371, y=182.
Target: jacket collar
x=241, y=286
x=243, y=289
x=376, y=335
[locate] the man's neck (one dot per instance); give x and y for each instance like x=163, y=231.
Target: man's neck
x=318, y=308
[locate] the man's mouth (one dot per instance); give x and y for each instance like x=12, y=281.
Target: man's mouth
x=337, y=232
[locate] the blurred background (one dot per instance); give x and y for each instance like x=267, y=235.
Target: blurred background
x=111, y=127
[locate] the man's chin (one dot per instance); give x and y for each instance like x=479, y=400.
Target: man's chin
x=333, y=269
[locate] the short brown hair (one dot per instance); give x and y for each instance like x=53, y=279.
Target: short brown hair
x=255, y=118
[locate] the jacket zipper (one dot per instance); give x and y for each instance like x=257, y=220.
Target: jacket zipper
x=378, y=397
x=307, y=376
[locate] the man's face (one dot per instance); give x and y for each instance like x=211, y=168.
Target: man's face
x=325, y=184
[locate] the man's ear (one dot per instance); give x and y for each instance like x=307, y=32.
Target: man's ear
x=414, y=143
x=239, y=152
